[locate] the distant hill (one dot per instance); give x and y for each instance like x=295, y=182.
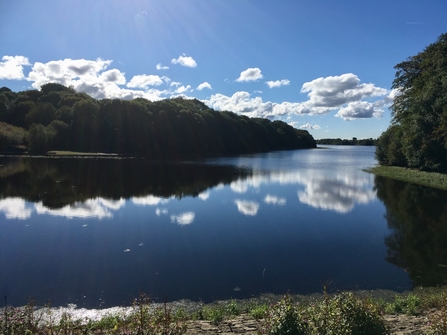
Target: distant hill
x=339, y=141
x=58, y=118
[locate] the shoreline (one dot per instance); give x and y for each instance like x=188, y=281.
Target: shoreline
x=190, y=306
x=410, y=312
x=430, y=179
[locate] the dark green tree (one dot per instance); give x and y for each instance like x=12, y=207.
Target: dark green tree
x=389, y=147
x=11, y=135
x=421, y=109
x=37, y=139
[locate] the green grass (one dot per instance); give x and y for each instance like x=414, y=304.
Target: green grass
x=431, y=179
x=74, y=153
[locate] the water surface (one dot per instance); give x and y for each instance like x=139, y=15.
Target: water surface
x=97, y=232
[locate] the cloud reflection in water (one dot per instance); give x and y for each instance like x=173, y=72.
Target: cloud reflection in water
x=93, y=208
x=249, y=208
x=149, y=200
x=15, y=208
x=274, y=200
x=338, y=193
x=183, y=218
x=335, y=194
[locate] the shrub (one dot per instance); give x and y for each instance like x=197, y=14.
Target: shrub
x=346, y=314
x=342, y=314
x=284, y=318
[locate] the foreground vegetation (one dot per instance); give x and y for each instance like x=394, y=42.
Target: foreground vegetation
x=417, y=137
x=431, y=179
x=342, y=313
x=59, y=118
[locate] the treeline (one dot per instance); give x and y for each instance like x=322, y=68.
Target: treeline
x=417, y=137
x=339, y=141
x=58, y=118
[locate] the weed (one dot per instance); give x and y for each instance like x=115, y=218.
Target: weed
x=213, y=314
x=408, y=304
x=233, y=309
x=284, y=318
x=438, y=320
x=161, y=321
x=19, y=320
x=259, y=311
x=345, y=313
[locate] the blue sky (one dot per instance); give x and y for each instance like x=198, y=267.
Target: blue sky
x=325, y=66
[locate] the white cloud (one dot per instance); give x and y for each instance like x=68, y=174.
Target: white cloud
x=149, y=200
x=325, y=95
x=345, y=93
x=161, y=67
x=182, y=89
x=309, y=126
x=278, y=83
x=90, y=77
x=389, y=99
x=249, y=208
x=113, y=76
x=251, y=74
x=67, y=70
x=15, y=208
x=144, y=81
x=12, y=67
x=143, y=13
x=332, y=92
x=359, y=110
x=274, y=200
x=183, y=218
x=204, y=85
x=184, y=61
x=241, y=102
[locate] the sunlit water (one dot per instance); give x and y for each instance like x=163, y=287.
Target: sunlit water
x=97, y=233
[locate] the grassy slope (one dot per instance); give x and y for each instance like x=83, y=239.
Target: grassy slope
x=431, y=179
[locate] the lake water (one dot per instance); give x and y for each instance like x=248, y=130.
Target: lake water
x=97, y=232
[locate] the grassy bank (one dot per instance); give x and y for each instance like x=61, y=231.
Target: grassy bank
x=74, y=153
x=341, y=313
x=431, y=179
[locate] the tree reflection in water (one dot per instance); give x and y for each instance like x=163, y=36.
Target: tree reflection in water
x=417, y=216
x=57, y=182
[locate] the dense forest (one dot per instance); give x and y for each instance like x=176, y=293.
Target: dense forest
x=353, y=141
x=58, y=118
x=417, y=137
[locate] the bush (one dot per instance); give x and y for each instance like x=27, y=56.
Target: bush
x=284, y=318
x=346, y=314
x=342, y=314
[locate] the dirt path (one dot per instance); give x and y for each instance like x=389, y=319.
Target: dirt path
x=244, y=324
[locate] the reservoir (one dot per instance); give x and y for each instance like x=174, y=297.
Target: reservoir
x=97, y=232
